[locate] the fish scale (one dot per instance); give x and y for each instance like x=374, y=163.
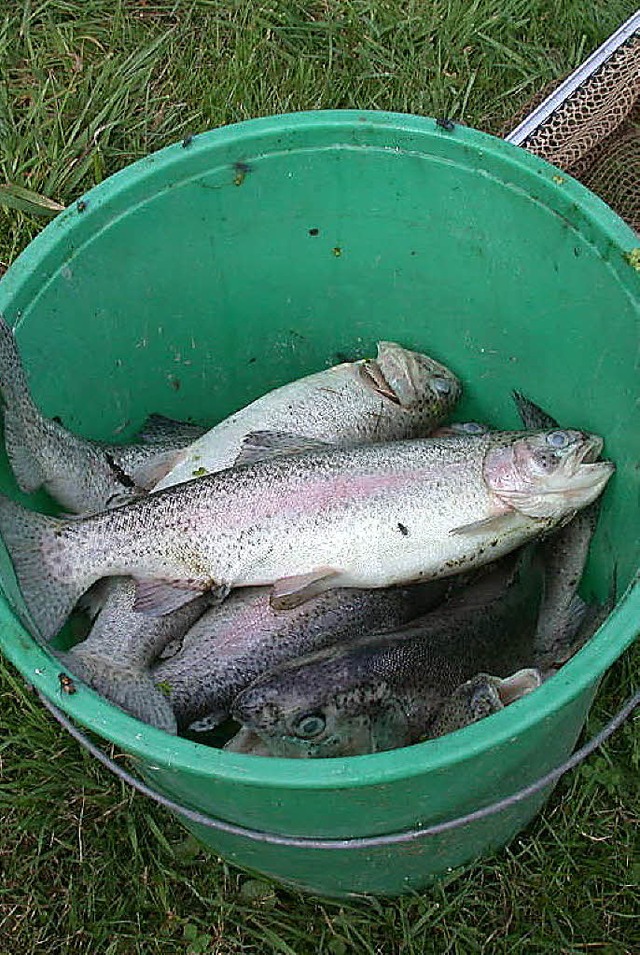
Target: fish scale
x=394, y=688
x=263, y=524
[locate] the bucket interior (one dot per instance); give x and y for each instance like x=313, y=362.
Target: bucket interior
x=201, y=277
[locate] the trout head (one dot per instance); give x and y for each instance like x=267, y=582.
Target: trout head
x=548, y=474
x=413, y=381
x=314, y=710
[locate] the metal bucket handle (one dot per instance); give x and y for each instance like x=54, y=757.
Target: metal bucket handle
x=365, y=842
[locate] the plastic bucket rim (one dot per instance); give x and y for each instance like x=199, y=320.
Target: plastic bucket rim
x=577, y=675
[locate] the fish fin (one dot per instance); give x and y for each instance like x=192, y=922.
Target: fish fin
x=289, y=592
x=156, y=597
x=130, y=689
x=264, y=445
x=491, y=525
x=209, y=722
x=513, y=687
x=578, y=628
x=157, y=429
x=20, y=413
x=26, y=467
x=156, y=468
x=14, y=388
x=576, y=612
x=531, y=415
x=41, y=550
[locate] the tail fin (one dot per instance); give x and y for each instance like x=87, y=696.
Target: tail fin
x=130, y=689
x=43, y=553
x=22, y=420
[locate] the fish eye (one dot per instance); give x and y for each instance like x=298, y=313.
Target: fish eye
x=558, y=440
x=473, y=427
x=441, y=385
x=309, y=725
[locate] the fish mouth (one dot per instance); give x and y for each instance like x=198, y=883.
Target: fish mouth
x=590, y=450
x=517, y=685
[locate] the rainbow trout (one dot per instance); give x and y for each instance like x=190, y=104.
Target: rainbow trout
x=233, y=644
x=115, y=657
x=394, y=689
x=367, y=517
x=563, y=614
x=399, y=394
x=474, y=700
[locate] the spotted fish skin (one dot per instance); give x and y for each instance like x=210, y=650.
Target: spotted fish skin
x=400, y=394
x=370, y=516
x=234, y=643
x=394, y=689
x=115, y=657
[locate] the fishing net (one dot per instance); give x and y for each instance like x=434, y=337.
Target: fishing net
x=594, y=134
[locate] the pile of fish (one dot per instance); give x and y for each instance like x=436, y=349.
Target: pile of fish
x=334, y=570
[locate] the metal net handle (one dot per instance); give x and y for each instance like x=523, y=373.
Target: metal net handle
x=365, y=842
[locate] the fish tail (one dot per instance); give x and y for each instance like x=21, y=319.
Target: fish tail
x=44, y=552
x=22, y=420
x=130, y=689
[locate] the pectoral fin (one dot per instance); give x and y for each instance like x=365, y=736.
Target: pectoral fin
x=289, y=592
x=265, y=445
x=497, y=524
x=156, y=468
x=155, y=598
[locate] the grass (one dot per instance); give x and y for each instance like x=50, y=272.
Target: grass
x=86, y=866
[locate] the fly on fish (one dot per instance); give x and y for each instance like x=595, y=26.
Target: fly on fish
x=338, y=567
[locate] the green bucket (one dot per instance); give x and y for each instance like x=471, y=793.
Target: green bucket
x=206, y=274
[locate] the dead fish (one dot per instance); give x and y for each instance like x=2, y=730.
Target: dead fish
x=83, y=476
x=581, y=623
x=367, y=517
x=481, y=696
x=236, y=642
x=473, y=701
x=564, y=553
x=115, y=657
x=400, y=394
x=389, y=690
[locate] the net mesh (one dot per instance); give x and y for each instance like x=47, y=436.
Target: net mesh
x=595, y=134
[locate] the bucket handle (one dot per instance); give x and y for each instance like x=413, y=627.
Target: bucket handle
x=365, y=842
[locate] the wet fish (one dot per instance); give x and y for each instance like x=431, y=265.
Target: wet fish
x=565, y=553
x=236, y=642
x=399, y=394
x=481, y=696
x=115, y=657
x=474, y=700
x=83, y=476
x=389, y=690
x=370, y=516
